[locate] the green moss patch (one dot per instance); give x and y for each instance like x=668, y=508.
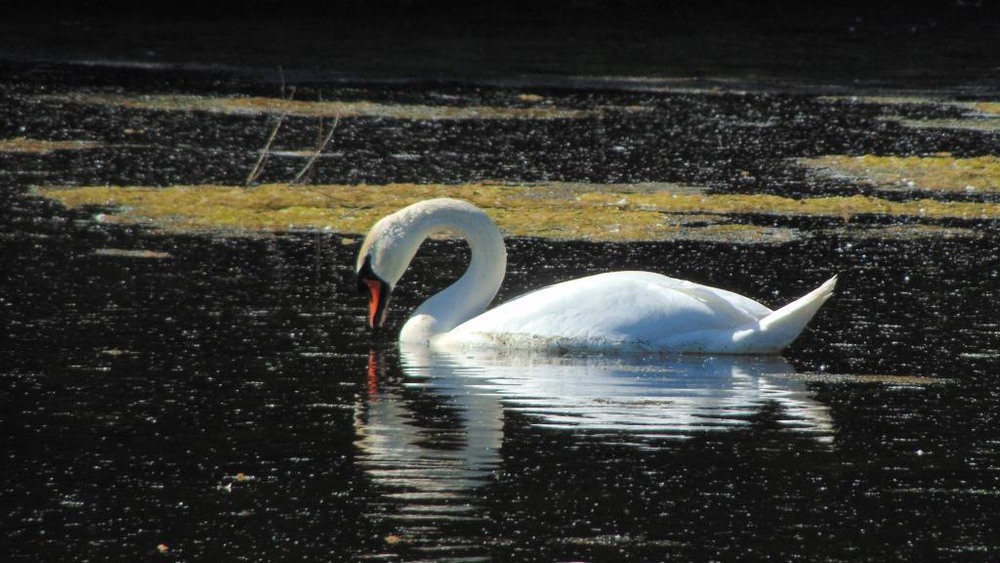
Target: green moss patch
x=562, y=211
x=38, y=146
x=256, y=105
x=941, y=172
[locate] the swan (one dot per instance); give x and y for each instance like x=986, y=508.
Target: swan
x=626, y=311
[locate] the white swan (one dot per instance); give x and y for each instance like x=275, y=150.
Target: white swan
x=617, y=311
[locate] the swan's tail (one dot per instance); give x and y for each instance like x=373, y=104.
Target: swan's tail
x=776, y=331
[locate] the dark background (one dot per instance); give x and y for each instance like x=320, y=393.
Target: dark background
x=939, y=44
x=513, y=9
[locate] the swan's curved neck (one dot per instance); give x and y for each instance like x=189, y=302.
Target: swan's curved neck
x=472, y=293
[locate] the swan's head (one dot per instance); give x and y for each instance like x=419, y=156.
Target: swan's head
x=384, y=256
x=393, y=241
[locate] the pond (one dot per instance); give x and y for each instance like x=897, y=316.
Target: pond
x=174, y=389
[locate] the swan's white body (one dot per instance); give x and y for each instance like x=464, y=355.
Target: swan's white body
x=619, y=311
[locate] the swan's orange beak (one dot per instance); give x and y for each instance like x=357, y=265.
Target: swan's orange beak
x=378, y=299
x=378, y=294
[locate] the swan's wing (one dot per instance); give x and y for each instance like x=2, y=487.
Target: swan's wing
x=615, y=307
x=739, y=307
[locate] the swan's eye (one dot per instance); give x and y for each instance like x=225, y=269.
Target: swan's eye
x=365, y=274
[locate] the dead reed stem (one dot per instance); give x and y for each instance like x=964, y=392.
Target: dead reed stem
x=259, y=165
x=319, y=150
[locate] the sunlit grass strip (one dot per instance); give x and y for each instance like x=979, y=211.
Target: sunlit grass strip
x=562, y=211
x=257, y=105
x=941, y=172
x=40, y=146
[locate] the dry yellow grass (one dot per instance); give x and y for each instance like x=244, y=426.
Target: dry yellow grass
x=563, y=211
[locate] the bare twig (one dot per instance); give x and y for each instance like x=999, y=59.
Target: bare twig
x=259, y=165
x=319, y=138
x=319, y=150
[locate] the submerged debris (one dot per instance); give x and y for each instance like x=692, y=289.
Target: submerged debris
x=977, y=116
x=905, y=232
x=255, y=105
x=41, y=146
x=972, y=124
x=128, y=253
x=874, y=379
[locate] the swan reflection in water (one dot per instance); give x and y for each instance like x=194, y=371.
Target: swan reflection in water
x=431, y=439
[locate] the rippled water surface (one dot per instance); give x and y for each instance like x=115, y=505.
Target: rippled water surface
x=219, y=397
x=226, y=402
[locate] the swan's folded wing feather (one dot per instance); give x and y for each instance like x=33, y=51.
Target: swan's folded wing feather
x=616, y=307
x=737, y=307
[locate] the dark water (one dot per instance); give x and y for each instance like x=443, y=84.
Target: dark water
x=226, y=402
